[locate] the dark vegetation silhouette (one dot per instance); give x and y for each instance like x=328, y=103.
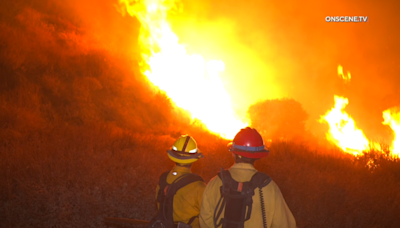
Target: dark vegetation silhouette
x=84, y=136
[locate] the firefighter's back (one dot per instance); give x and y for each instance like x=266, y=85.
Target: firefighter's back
x=187, y=200
x=268, y=207
x=179, y=192
x=277, y=214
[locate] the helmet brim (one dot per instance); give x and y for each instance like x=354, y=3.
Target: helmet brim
x=256, y=155
x=184, y=159
x=248, y=154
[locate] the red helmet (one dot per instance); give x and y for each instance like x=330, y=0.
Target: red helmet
x=248, y=143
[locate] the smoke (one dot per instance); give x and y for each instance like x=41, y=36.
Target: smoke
x=76, y=64
x=287, y=49
x=270, y=50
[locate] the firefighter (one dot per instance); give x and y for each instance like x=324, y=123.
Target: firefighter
x=179, y=192
x=267, y=205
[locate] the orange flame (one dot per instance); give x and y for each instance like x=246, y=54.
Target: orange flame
x=347, y=77
x=190, y=81
x=342, y=129
x=391, y=117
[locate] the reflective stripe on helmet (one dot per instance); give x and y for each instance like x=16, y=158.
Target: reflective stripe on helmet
x=186, y=143
x=249, y=148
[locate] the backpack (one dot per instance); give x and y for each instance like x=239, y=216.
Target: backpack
x=237, y=199
x=166, y=193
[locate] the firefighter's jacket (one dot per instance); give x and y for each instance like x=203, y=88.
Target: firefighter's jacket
x=187, y=200
x=277, y=212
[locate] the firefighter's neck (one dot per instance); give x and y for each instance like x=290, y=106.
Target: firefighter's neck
x=240, y=159
x=189, y=166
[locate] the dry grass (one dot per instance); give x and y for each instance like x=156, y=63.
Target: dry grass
x=75, y=176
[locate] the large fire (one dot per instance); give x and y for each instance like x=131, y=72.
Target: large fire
x=188, y=79
x=391, y=117
x=342, y=129
x=344, y=133
x=193, y=83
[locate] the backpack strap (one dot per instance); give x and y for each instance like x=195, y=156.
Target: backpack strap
x=167, y=192
x=165, y=210
x=228, y=183
x=260, y=180
x=181, y=182
x=163, y=184
x=192, y=219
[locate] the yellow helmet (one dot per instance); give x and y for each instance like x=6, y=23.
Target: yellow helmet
x=184, y=150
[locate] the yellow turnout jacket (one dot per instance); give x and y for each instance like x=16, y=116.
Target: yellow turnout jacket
x=187, y=200
x=277, y=212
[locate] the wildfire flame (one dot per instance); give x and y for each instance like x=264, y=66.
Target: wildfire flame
x=391, y=117
x=342, y=129
x=190, y=81
x=347, y=77
x=344, y=133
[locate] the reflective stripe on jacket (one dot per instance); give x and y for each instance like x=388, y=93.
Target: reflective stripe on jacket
x=277, y=212
x=187, y=200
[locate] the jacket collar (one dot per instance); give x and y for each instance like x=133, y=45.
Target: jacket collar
x=243, y=166
x=181, y=169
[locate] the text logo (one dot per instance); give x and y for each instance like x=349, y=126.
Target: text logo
x=346, y=18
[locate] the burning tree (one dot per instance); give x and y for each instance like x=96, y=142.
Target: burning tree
x=279, y=119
